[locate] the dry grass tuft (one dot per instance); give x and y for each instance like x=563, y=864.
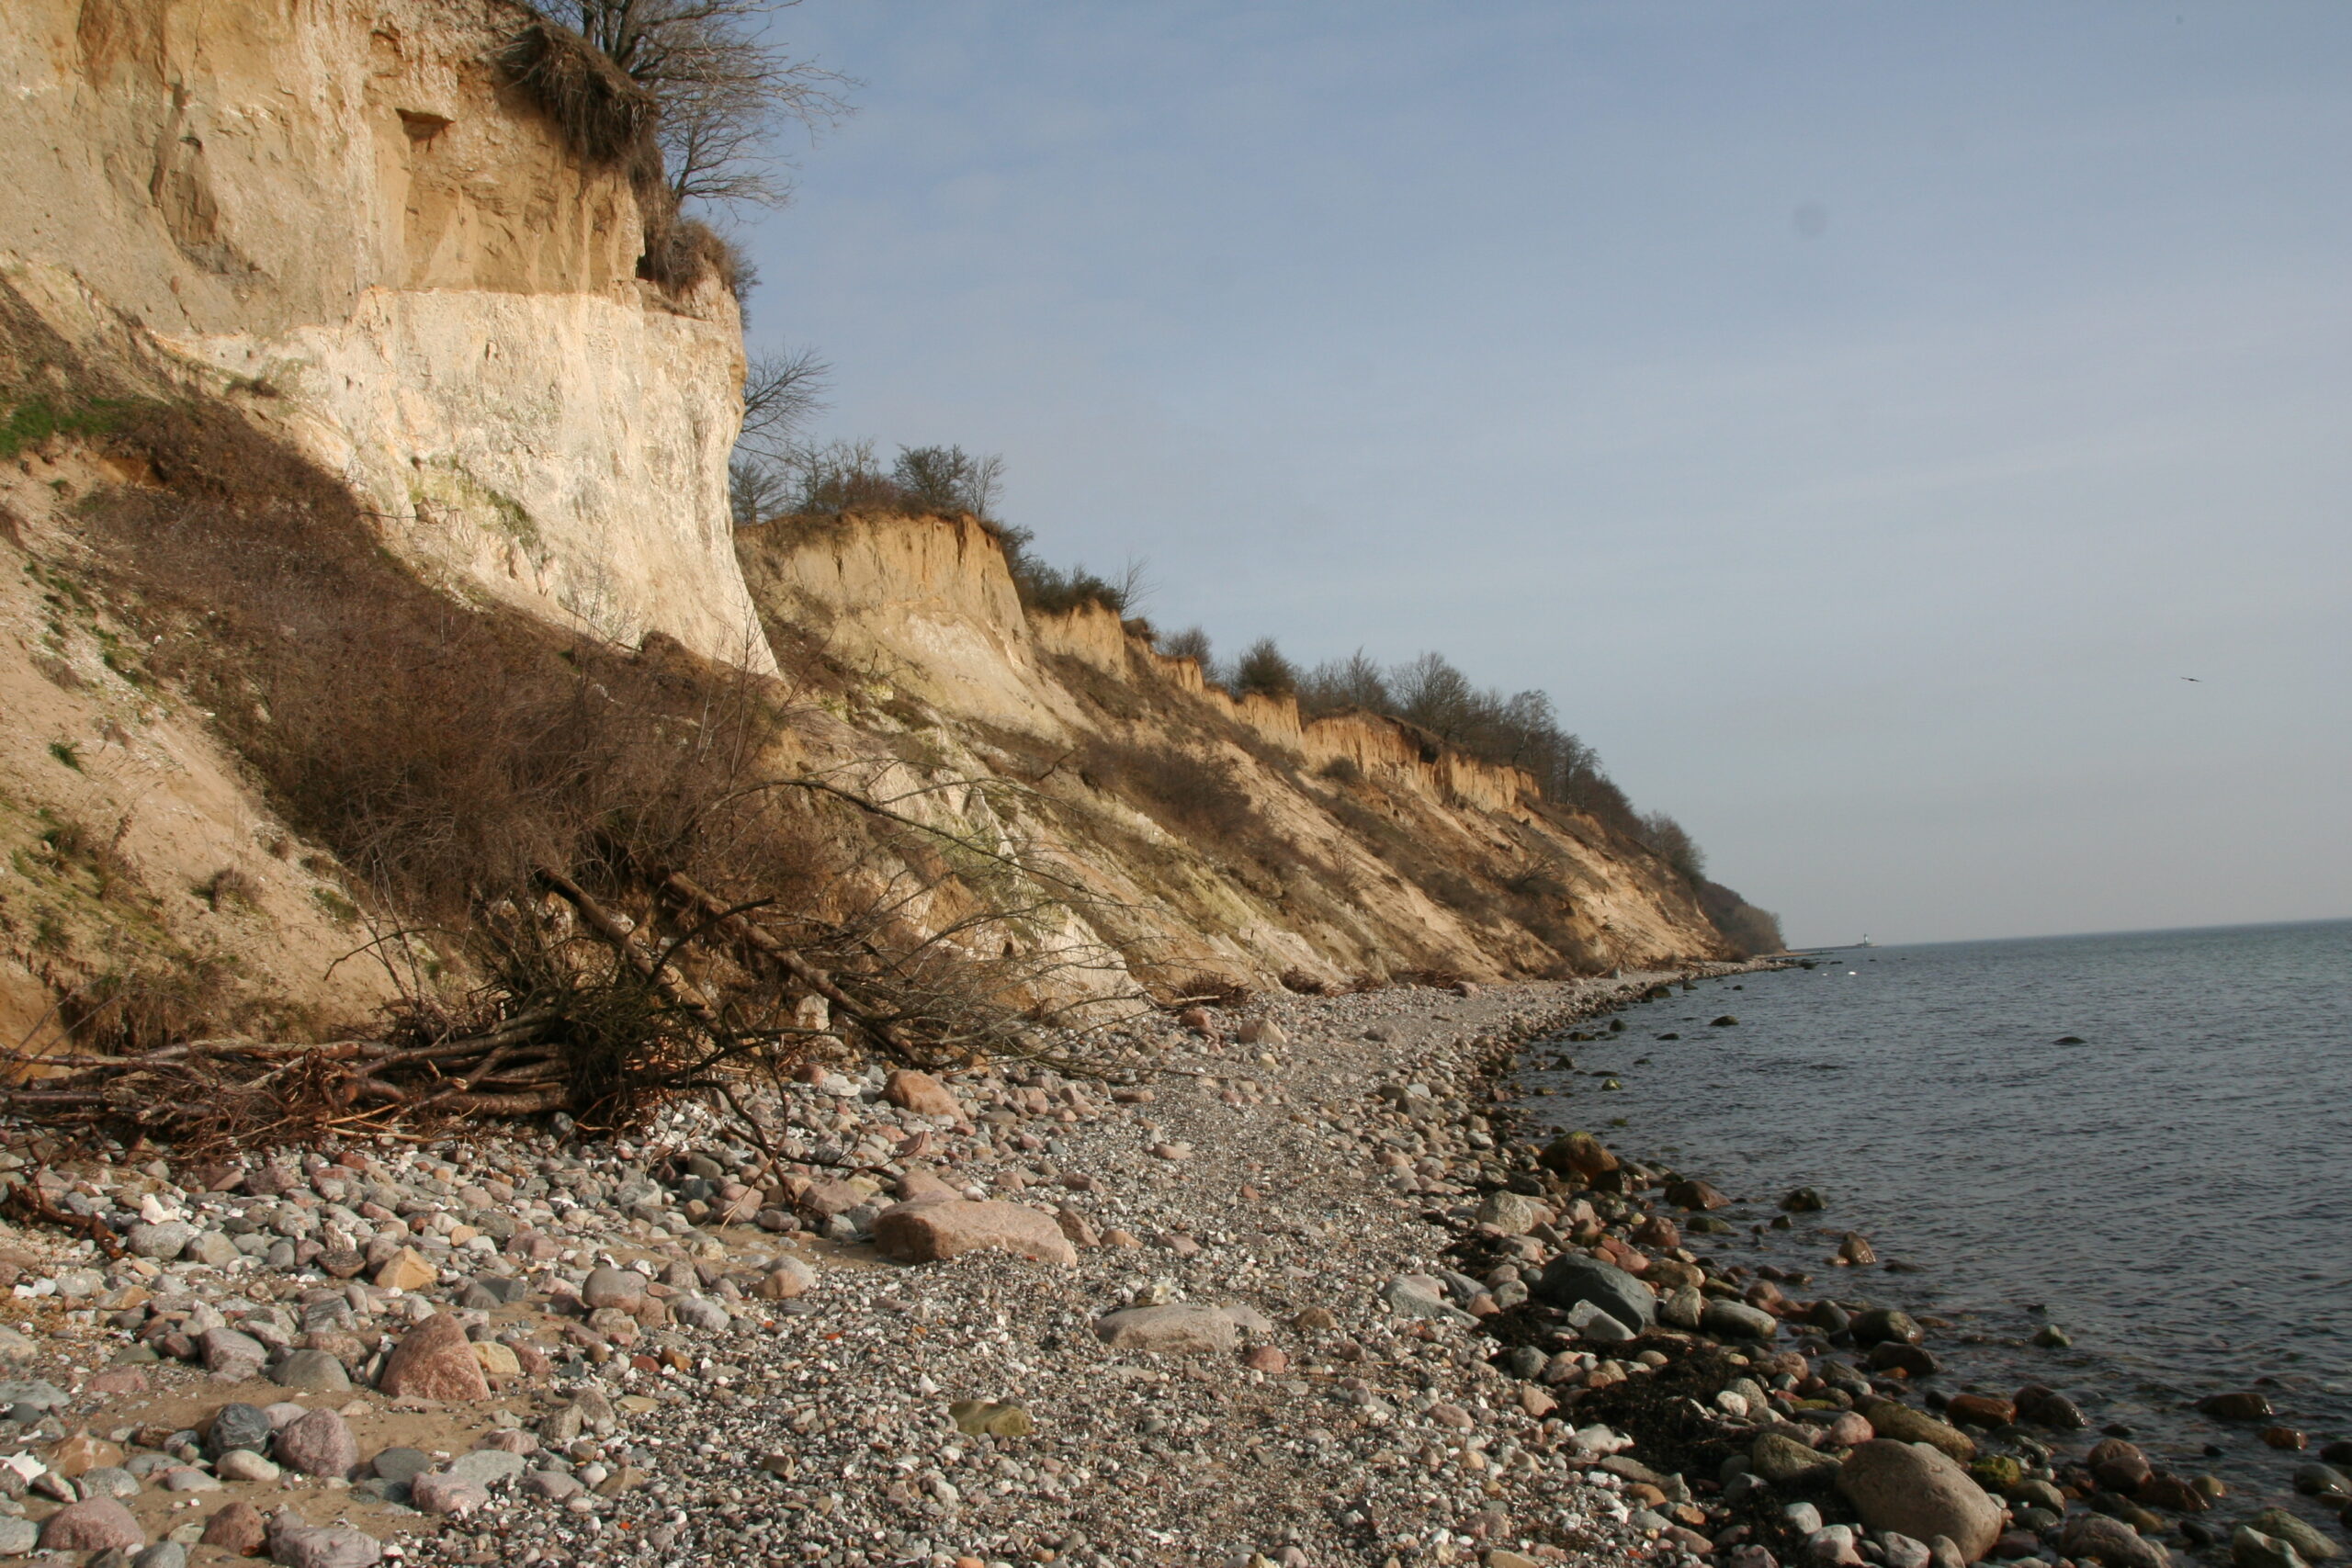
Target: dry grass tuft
x=604, y=115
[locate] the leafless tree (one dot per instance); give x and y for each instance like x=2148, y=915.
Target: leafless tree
x=1336, y=685
x=724, y=89
x=950, y=478
x=781, y=390
x=1192, y=643
x=1434, y=695
x=1263, y=669
x=1674, y=845
x=756, y=491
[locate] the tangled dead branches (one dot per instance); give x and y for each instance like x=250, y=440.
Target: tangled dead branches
x=588, y=1011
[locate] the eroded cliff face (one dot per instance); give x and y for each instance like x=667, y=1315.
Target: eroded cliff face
x=331, y=218
x=335, y=214
x=1217, y=836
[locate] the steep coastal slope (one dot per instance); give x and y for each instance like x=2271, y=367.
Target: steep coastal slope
x=327, y=351
x=1220, y=834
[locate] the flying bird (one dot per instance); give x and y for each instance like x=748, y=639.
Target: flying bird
x=2193, y=679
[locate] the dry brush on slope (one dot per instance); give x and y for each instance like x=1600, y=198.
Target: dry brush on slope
x=601, y=876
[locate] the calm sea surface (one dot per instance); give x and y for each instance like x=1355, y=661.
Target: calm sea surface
x=2173, y=1190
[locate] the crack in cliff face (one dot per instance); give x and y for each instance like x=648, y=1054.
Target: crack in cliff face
x=182, y=190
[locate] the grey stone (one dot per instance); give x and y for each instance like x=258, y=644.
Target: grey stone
x=213, y=1249
x=611, y=1287
x=402, y=1465
x=1682, y=1308
x=1881, y=1325
x=2249, y=1548
x=313, y=1369
x=1177, y=1327
x=293, y=1544
x=444, y=1491
x=1511, y=1212
x=2113, y=1542
x=2321, y=1481
x=17, y=1537
x=487, y=1467
x=228, y=1354
x=1920, y=1491
x=700, y=1312
x=237, y=1426
x=2309, y=1543
x=162, y=1554
x=36, y=1392
x=1738, y=1320
x=1524, y=1363
x=1418, y=1295
x=244, y=1465
x=1590, y=1320
x=1778, y=1458
x=1899, y=1551
x=552, y=1485
x=108, y=1480
x=332, y=1315
x=1573, y=1277
x=162, y=1241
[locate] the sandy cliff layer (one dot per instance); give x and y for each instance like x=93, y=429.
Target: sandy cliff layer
x=1222, y=836
x=332, y=213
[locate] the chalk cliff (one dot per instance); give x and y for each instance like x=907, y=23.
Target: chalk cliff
x=336, y=214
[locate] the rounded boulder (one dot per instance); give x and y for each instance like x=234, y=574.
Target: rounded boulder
x=1572, y=1279
x=1921, y=1492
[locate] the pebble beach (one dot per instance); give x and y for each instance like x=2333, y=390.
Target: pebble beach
x=1287, y=1282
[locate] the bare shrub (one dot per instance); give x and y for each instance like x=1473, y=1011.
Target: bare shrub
x=1262, y=670
x=757, y=493
x=1054, y=591
x=1186, y=793
x=1334, y=686
x=229, y=888
x=949, y=480
x=1192, y=643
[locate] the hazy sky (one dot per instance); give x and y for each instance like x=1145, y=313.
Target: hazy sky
x=1858, y=417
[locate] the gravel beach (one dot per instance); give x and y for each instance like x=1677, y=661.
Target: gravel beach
x=1280, y=1286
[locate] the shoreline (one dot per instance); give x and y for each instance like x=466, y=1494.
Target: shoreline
x=2101, y=1498
x=1295, y=1300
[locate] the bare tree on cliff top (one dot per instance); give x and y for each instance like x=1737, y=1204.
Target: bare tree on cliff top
x=724, y=89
